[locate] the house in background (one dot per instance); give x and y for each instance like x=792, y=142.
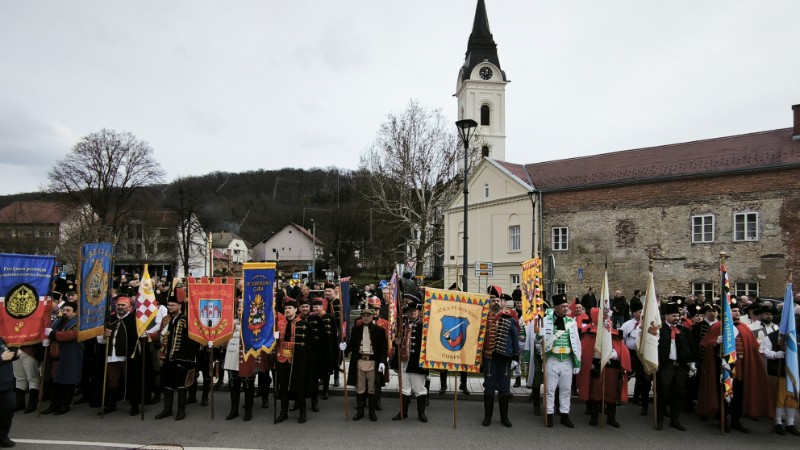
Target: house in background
x=292, y=247
x=33, y=228
x=235, y=249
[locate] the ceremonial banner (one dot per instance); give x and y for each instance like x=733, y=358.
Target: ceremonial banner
x=344, y=298
x=393, y=303
x=210, y=309
x=647, y=345
x=258, y=317
x=25, y=283
x=729, y=332
x=453, y=325
x=146, y=306
x=94, y=287
x=602, y=344
x=532, y=302
x=789, y=332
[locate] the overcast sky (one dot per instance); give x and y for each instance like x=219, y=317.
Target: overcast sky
x=243, y=85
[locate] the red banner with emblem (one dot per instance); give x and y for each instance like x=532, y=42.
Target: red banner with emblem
x=210, y=309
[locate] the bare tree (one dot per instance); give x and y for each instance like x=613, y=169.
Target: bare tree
x=183, y=198
x=104, y=170
x=413, y=166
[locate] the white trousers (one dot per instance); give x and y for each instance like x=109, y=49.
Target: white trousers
x=26, y=371
x=559, y=375
x=413, y=382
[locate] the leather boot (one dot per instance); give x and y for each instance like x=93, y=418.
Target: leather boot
x=169, y=398
x=206, y=391
x=284, y=408
x=336, y=378
x=518, y=382
x=235, y=388
x=373, y=403
x=314, y=402
x=442, y=382
x=549, y=421
x=488, y=408
x=181, y=414
x=249, y=398
x=537, y=401
x=33, y=401
x=20, y=399
x=463, y=387
x=264, y=388
x=645, y=405
x=611, y=414
x=421, y=402
x=67, y=393
x=566, y=422
x=134, y=407
x=406, y=401
x=110, y=402
x=503, y=401
x=428, y=390
x=592, y=406
x=361, y=400
x=302, y=402
x=55, y=399
x=326, y=383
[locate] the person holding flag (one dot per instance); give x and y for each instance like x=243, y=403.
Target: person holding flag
x=123, y=358
x=675, y=365
x=500, y=355
x=178, y=354
x=780, y=349
x=562, y=358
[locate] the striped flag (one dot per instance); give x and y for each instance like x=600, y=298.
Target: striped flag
x=602, y=344
x=788, y=331
x=146, y=306
x=647, y=347
x=393, y=304
x=728, y=350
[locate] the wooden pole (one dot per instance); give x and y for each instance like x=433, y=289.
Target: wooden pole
x=42, y=369
x=211, y=377
x=142, y=343
x=455, y=399
x=602, y=397
x=399, y=350
x=544, y=378
x=721, y=387
x=343, y=329
x=654, y=383
x=105, y=376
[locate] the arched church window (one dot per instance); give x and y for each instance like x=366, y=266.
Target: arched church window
x=485, y=115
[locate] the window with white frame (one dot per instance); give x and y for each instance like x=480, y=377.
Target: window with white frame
x=514, y=279
x=561, y=288
x=485, y=190
x=745, y=226
x=514, y=238
x=560, y=238
x=703, y=228
x=703, y=287
x=749, y=288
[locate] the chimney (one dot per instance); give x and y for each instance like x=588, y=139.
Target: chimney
x=796, y=131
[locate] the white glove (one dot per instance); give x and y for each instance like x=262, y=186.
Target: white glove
x=144, y=334
x=780, y=354
x=514, y=365
x=719, y=339
x=101, y=339
x=614, y=354
x=47, y=331
x=277, y=335
x=46, y=343
x=381, y=366
x=342, y=346
x=210, y=344
x=692, y=370
x=576, y=370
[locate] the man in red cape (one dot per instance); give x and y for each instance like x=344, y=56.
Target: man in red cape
x=749, y=377
x=615, y=379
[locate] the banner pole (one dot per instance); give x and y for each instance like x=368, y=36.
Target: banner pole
x=211, y=377
x=602, y=397
x=655, y=402
x=455, y=399
x=544, y=378
x=143, y=343
x=721, y=387
x=105, y=376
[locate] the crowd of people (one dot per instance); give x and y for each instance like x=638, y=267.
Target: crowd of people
x=164, y=365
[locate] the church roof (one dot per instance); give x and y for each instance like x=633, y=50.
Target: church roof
x=765, y=150
x=481, y=46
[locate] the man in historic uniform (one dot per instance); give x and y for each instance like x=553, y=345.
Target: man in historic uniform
x=313, y=331
x=334, y=308
x=328, y=345
x=500, y=355
x=630, y=331
x=408, y=352
x=123, y=358
x=67, y=358
x=749, y=376
x=675, y=365
x=772, y=347
x=178, y=354
x=295, y=377
x=699, y=331
x=765, y=324
x=610, y=383
x=375, y=303
x=367, y=346
x=562, y=357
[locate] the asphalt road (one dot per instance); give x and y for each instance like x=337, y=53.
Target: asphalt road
x=83, y=429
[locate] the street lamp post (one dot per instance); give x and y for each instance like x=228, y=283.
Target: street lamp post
x=466, y=128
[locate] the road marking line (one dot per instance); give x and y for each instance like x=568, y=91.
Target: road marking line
x=119, y=445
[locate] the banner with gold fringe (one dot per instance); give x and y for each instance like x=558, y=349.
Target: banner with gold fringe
x=210, y=309
x=258, y=315
x=453, y=325
x=532, y=287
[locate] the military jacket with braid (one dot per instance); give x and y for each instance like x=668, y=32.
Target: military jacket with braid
x=179, y=346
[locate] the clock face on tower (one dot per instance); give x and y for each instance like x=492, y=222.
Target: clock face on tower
x=485, y=73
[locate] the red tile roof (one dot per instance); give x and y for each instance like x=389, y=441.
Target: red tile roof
x=766, y=150
x=34, y=213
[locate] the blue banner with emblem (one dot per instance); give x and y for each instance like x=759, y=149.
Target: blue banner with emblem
x=25, y=284
x=258, y=316
x=96, y=267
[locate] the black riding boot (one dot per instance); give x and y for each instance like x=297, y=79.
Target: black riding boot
x=442, y=382
x=284, y=408
x=428, y=390
x=488, y=408
x=421, y=402
x=169, y=398
x=314, y=401
x=236, y=386
x=302, y=402
x=55, y=399
x=463, y=387
x=249, y=398
x=20, y=400
x=206, y=391
x=361, y=401
x=33, y=401
x=406, y=401
x=611, y=414
x=591, y=405
x=326, y=384
x=537, y=401
x=191, y=396
x=67, y=392
x=181, y=414
x=373, y=403
x=503, y=401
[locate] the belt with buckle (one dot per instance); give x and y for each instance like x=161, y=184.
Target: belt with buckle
x=367, y=357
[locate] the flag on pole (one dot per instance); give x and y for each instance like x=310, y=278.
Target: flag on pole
x=146, y=306
x=392, y=304
x=96, y=267
x=344, y=299
x=602, y=345
x=789, y=332
x=728, y=350
x=532, y=302
x=647, y=347
x=25, y=285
